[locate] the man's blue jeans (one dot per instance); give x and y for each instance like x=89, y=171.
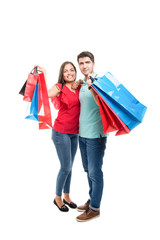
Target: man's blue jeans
x=92, y=153
x=66, y=147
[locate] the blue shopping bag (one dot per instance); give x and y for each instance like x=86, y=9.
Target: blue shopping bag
x=121, y=101
x=34, y=106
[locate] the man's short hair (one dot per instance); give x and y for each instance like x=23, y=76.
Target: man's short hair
x=85, y=54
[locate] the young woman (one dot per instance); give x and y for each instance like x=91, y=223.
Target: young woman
x=65, y=130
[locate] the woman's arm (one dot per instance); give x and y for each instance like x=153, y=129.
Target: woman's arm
x=53, y=91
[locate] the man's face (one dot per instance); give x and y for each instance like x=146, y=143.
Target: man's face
x=86, y=66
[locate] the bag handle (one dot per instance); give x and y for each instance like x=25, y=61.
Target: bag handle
x=34, y=70
x=93, y=79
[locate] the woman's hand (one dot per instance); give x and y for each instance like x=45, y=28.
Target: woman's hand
x=43, y=70
x=76, y=84
x=40, y=69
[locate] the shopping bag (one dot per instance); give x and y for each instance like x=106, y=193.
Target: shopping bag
x=29, y=86
x=45, y=120
x=39, y=106
x=22, y=91
x=122, y=103
x=34, y=105
x=111, y=122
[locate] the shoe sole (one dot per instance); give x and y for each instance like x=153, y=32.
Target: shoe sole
x=79, y=220
x=80, y=210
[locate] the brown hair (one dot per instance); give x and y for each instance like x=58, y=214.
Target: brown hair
x=60, y=77
x=85, y=54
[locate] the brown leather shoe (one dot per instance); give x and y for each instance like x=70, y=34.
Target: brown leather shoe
x=83, y=207
x=88, y=215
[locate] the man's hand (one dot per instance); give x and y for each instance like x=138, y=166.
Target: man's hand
x=89, y=81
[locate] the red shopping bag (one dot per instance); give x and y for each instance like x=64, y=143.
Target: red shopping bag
x=30, y=85
x=111, y=122
x=44, y=112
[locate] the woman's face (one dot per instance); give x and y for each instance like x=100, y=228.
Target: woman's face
x=69, y=74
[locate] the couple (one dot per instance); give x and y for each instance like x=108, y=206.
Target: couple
x=78, y=118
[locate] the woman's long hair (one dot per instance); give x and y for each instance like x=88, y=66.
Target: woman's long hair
x=60, y=78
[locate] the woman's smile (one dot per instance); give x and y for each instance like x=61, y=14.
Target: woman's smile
x=70, y=76
x=69, y=73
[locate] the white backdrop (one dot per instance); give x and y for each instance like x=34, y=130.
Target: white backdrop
x=124, y=37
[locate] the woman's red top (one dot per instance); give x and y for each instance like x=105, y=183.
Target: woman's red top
x=68, y=105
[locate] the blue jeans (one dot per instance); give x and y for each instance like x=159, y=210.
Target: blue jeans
x=66, y=147
x=92, y=153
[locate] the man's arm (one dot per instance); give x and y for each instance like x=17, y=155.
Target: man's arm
x=94, y=94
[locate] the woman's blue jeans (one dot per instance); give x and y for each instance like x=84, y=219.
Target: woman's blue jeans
x=66, y=147
x=92, y=153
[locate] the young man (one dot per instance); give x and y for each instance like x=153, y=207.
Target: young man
x=92, y=140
